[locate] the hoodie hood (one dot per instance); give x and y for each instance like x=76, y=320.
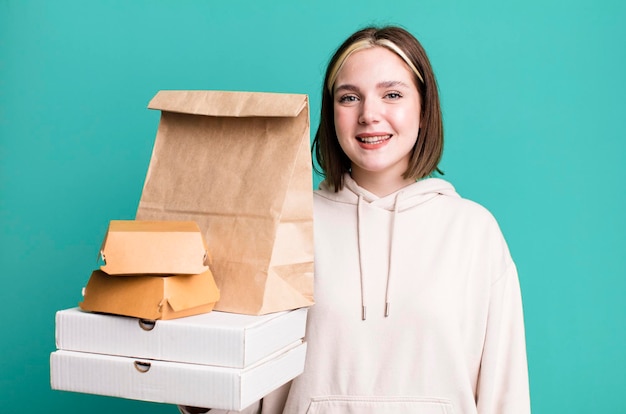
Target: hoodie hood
x=407, y=197
x=410, y=196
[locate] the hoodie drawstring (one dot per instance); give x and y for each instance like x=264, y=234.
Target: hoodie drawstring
x=390, y=258
x=358, y=232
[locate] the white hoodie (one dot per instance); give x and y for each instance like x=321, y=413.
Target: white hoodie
x=417, y=308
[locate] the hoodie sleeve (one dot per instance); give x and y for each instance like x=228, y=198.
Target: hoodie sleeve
x=503, y=379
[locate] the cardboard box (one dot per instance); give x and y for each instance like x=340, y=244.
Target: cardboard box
x=151, y=297
x=172, y=382
x=216, y=338
x=153, y=247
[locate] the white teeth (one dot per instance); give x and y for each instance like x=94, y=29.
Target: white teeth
x=374, y=140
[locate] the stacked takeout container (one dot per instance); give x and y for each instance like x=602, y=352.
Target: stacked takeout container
x=217, y=359
x=153, y=270
x=166, y=320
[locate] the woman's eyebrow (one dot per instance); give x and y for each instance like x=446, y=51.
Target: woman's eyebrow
x=381, y=85
x=392, y=84
x=347, y=87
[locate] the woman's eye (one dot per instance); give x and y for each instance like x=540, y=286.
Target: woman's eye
x=394, y=95
x=347, y=99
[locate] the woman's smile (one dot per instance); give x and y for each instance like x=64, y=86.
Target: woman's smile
x=373, y=139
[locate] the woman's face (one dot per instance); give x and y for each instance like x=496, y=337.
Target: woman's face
x=377, y=116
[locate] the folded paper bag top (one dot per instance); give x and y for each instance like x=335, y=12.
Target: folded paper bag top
x=239, y=164
x=150, y=296
x=231, y=104
x=133, y=247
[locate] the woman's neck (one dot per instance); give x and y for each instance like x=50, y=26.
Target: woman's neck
x=380, y=184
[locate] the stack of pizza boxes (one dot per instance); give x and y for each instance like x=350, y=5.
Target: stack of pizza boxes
x=146, y=328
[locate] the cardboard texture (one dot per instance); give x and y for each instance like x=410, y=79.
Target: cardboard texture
x=239, y=164
x=172, y=382
x=149, y=296
x=153, y=247
x=216, y=338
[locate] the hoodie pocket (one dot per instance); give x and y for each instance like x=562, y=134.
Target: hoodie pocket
x=334, y=404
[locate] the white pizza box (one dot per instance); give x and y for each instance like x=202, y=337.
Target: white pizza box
x=214, y=338
x=175, y=382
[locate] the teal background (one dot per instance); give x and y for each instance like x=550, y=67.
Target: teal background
x=534, y=100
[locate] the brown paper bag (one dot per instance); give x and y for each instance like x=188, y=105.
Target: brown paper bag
x=239, y=164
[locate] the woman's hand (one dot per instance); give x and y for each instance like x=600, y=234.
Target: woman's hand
x=185, y=409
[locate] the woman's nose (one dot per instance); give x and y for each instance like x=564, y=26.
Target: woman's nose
x=370, y=112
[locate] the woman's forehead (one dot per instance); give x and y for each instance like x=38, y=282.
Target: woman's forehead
x=374, y=65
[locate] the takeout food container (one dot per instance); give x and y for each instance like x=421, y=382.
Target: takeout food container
x=218, y=360
x=153, y=270
x=153, y=247
x=150, y=296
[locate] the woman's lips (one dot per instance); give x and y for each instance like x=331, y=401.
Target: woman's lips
x=373, y=139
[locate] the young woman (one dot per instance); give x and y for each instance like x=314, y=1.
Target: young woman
x=418, y=307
